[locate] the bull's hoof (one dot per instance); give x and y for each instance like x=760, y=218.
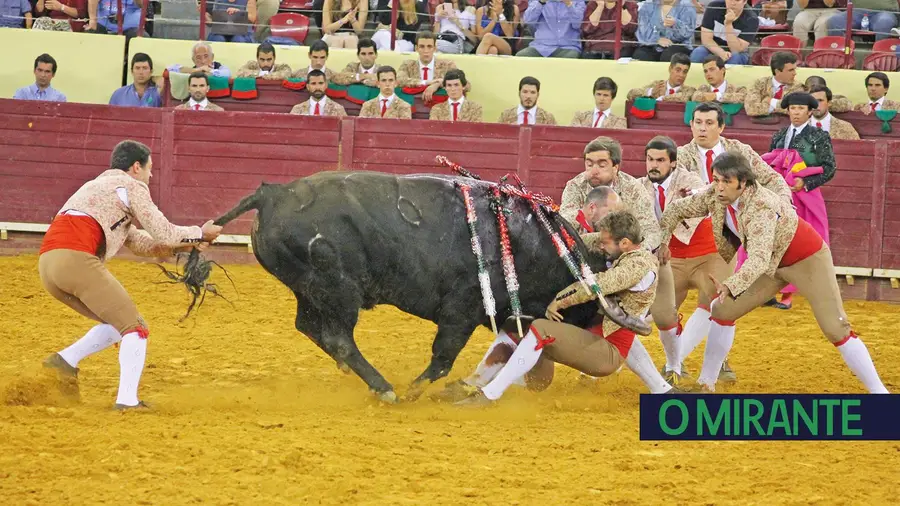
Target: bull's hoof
x=415, y=391
x=454, y=392
x=615, y=313
x=388, y=397
x=344, y=368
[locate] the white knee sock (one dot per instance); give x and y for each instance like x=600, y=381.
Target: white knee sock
x=694, y=331
x=718, y=345
x=857, y=357
x=521, y=361
x=670, y=344
x=485, y=373
x=132, y=353
x=97, y=339
x=639, y=361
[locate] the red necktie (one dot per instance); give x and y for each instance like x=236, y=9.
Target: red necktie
x=709, y=162
x=779, y=92
x=455, y=111
x=316, y=111
x=874, y=106
x=525, y=117
x=424, y=73
x=716, y=90
x=818, y=124
x=384, y=102
x=734, y=220
x=662, y=198
x=671, y=91
x=196, y=107
x=599, y=117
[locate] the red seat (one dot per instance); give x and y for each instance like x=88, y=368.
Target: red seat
x=830, y=53
x=296, y=5
x=883, y=57
x=291, y=25
x=774, y=44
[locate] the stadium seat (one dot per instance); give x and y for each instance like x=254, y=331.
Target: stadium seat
x=295, y=5
x=775, y=43
x=830, y=53
x=291, y=25
x=883, y=57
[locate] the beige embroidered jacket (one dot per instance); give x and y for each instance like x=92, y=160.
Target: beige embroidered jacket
x=680, y=180
x=586, y=119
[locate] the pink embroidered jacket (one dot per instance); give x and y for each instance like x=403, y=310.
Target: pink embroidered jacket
x=115, y=211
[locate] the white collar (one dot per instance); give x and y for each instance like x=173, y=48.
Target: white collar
x=776, y=84
x=798, y=129
x=266, y=72
x=597, y=111
x=720, y=87
x=310, y=69
x=363, y=70
x=825, y=121
x=523, y=109
x=322, y=102
x=430, y=64
x=390, y=99
x=669, y=87
x=880, y=101
x=460, y=101
x=202, y=105
x=665, y=184
x=717, y=150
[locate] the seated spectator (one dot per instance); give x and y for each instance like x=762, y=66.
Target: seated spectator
x=103, y=17
x=318, y=104
x=426, y=70
x=386, y=104
x=599, y=29
x=198, y=86
x=318, y=57
x=727, y=31
x=528, y=113
x=264, y=66
x=12, y=12
x=772, y=12
x=814, y=16
x=556, y=26
x=665, y=28
x=44, y=71
x=839, y=104
x=877, y=86
x=454, y=25
x=882, y=16
x=717, y=88
x=231, y=31
x=362, y=71
x=822, y=118
x=672, y=89
x=143, y=91
x=764, y=96
x=204, y=61
x=605, y=90
x=497, y=26
x=411, y=17
x=344, y=21
x=60, y=16
x=457, y=107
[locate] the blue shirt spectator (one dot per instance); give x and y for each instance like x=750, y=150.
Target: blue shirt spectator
x=106, y=17
x=44, y=71
x=557, y=28
x=665, y=28
x=141, y=93
x=12, y=12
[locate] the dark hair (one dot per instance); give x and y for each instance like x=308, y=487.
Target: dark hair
x=732, y=164
x=316, y=73
x=877, y=75
x=663, y=143
x=621, y=225
x=680, y=59
x=425, y=34
x=198, y=75
x=317, y=46
x=780, y=59
x=599, y=195
x=826, y=89
x=815, y=81
x=508, y=6
x=366, y=42
x=45, y=58
x=719, y=61
x=606, y=84
x=141, y=58
x=710, y=106
x=454, y=74
x=385, y=69
x=126, y=153
x=529, y=80
x=266, y=48
x=607, y=144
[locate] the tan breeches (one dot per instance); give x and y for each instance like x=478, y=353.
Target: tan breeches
x=663, y=309
x=694, y=273
x=81, y=281
x=574, y=347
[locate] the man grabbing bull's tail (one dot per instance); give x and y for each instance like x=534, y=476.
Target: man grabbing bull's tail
x=91, y=228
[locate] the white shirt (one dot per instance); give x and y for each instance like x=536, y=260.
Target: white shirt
x=531, y=115
x=645, y=283
x=665, y=186
x=598, y=112
x=312, y=105
x=458, y=108
x=825, y=121
x=264, y=72
x=669, y=91
x=430, y=68
x=381, y=99
x=203, y=105
x=774, y=102
x=736, y=205
x=792, y=132
x=721, y=88
x=466, y=19
x=879, y=103
x=364, y=71
x=717, y=150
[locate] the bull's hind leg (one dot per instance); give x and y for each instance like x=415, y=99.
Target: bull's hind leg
x=452, y=335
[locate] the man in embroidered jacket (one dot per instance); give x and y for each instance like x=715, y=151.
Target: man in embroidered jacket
x=605, y=90
x=458, y=107
x=824, y=120
x=673, y=89
x=264, y=66
x=766, y=93
x=717, y=88
x=318, y=104
x=387, y=104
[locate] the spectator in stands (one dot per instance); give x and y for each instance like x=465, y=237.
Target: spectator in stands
x=672, y=89
x=12, y=12
x=60, y=15
x=497, y=26
x=198, y=86
x=765, y=95
x=839, y=104
x=318, y=57
x=426, y=70
x=605, y=90
x=362, y=71
x=143, y=91
x=44, y=71
x=204, y=61
x=386, y=104
x=882, y=16
x=772, y=12
x=717, y=88
x=344, y=21
x=412, y=16
x=822, y=118
x=814, y=17
x=528, y=113
x=877, y=86
x=727, y=31
x=457, y=107
x=665, y=28
x=223, y=32
x=264, y=66
x=556, y=26
x=454, y=25
x=318, y=104
x=265, y=9
x=599, y=29
x=102, y=17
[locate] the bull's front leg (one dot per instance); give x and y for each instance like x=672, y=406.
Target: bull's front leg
x=452, y=336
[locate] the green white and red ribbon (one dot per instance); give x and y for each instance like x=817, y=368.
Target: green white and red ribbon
x=484, y=280
x=508, y=261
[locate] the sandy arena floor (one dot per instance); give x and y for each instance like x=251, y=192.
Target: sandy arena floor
x=247, y=411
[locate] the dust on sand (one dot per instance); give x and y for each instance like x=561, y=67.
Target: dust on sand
x=248, y=411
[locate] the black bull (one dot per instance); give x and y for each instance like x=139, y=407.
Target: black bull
x=342, y=241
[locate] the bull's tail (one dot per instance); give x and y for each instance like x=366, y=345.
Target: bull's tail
x=249, y=202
